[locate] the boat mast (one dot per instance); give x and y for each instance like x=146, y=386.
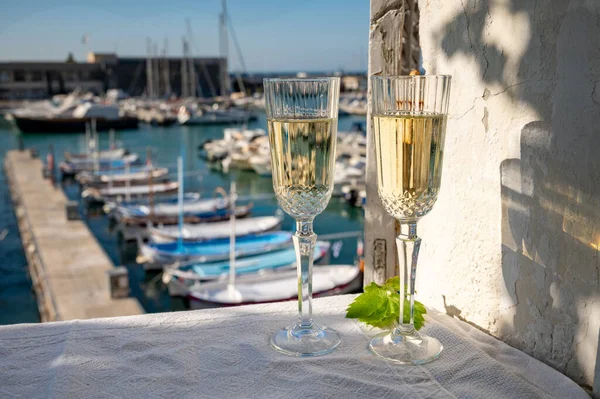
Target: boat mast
x=224, y=49
x=184, y=65
x=231, y=290
x=149, y=82
x=166, y=74
x=180, y=202
x=192, y=67
x=156, y=70
x=238, y=49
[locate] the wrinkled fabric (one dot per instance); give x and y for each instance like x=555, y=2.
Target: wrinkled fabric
x=224, y=353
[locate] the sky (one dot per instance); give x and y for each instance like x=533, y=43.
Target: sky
x=274, y=35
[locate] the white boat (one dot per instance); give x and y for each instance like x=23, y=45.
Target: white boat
x=354, y=105
x=212, y=250
x=216, y=230
x=187, y=116
x=133, y=228
x=183, y=278
x=234, y=140
x=261, y=164
x=170, y=208
x=275, y=286
x=110, y=207
x=134, y=191
x=102, y=155
x=350, y=171
x=81, y=165
x=121, y=176
x=240, y=160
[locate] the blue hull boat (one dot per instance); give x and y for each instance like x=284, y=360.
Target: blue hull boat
x=213, y=250
x=72, y=168
x=181, y=279
x=191, y=206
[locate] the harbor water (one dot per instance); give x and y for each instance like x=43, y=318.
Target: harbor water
x=17, y=302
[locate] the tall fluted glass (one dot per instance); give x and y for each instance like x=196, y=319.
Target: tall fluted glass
x=302, y=120
x=409, y=123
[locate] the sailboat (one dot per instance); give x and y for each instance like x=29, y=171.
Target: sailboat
x=101, y=194
x=117, y=153
x=190, y=207
x=75, y=166
x=212, y=250
x=215, y=230
x=190, y=116
x=277, y=286
x=182, y=278
x=134, y=175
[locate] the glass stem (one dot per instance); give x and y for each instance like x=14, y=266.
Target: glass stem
x=408, y=253
x=304, y=244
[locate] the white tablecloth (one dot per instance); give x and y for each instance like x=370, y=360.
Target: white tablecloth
x=224, y=353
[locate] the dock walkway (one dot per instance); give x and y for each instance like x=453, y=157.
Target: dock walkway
x=67, y=265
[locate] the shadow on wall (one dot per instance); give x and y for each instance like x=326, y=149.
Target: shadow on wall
x=551, y=195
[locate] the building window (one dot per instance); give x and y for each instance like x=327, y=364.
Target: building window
x=4, y=76
x=37, y=76
x=19, y=76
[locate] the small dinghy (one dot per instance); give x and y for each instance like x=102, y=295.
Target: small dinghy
x=132, y=228
x=215, y=215
x=121, y=177
x=102, y=155
x=276, y=286
x=101, y=194
x=216, y=230
x=181, y=279
x=190, y=207
x=110, y=207
x=74, y=167
x=213, y=250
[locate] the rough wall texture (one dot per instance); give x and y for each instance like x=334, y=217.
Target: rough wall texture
x=512, y=243
x=385, y=58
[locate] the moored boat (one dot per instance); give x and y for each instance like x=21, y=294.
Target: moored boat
x=120, y=177
x=275, y=287
x=133, y=227
x=105, y=155
x=59, y=124
x=212, y=250
x=189, y=207
x=101, y=194
x=181, y=279
x=261, y=164
x=203, y=231
x=189, y=116
x=71, y=168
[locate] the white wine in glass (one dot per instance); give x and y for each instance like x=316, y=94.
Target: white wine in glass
x=409, y=124
x=302, y=118
x=409, y=160
x=303, y=155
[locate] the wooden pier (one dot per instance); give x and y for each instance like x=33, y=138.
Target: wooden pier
x=67, y=265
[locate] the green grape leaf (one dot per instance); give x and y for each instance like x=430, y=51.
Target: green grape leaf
x=366, y=304
x=378, y=306
x=392, y=284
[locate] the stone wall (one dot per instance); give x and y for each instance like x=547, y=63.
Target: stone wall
x=512, y=243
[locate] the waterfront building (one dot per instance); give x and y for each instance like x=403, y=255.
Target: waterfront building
x=104, y=71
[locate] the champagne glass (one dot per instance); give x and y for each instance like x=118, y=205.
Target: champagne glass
x=409, y=123
x=302, y=119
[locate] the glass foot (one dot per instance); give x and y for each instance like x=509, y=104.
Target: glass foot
x=413, y=348
x=305, y=341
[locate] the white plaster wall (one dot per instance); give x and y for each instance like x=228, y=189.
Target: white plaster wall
x=512, y=243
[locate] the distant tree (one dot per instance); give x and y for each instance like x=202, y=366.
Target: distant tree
x=70, y=58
